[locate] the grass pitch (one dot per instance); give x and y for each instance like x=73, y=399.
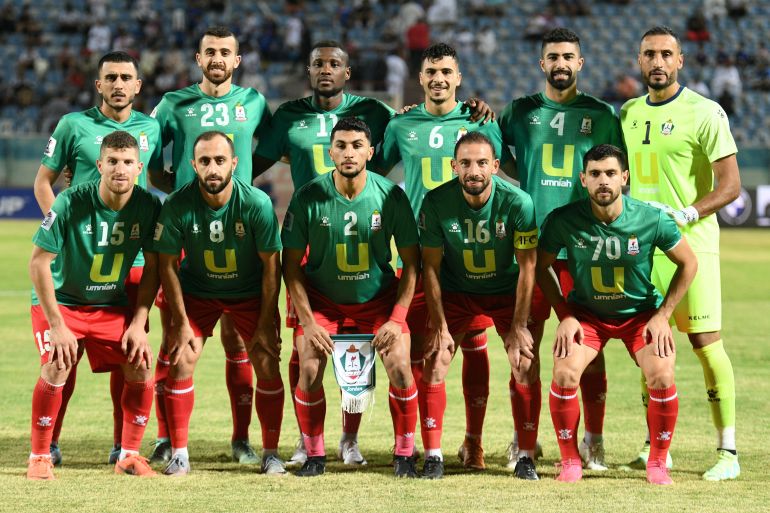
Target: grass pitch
x=86, y=483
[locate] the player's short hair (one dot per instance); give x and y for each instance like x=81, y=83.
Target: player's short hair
x=605, y=151
x=559, y=35
x=220, y=32
x=474, y=138
x=438, y=51
x=211, y=134
x=329, y=43
x=662, y=30
x=117, y=56
x=118, y=140
x=352, y=124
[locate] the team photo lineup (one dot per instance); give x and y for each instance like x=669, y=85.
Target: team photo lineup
x=555, y=203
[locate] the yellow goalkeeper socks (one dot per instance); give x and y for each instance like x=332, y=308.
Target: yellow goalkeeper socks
x=720, y=388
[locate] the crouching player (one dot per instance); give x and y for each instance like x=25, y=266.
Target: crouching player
x=610, y=240
x=346, y=220
x=471, y=229
x=83, y=252
x=229, y=235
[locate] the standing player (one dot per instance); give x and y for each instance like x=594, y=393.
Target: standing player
x=478, y=237
x=76, y=144
x=610, y=241
x=344, y=222
x=551, y=131
x=103, y=224
x=678, y=143
x=424, y=139
x=241, y=113
x=229, y=234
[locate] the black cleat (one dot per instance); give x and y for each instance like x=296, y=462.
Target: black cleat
x=314, y=466
x=161, y=453
x=403, y=466
x=433, y=468
x=114, y=455
x=525, y=469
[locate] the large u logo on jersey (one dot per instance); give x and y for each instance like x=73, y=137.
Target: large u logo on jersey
x=569, y=159
x=363, y=258
x=211, y=265
x=427, y=172
x=319, y=160
x=618, y=280
x=96, y=269
x=489, y=265
x=644, y=175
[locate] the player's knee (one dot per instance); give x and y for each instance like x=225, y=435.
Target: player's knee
x=565, y=376
x=53, y=375
x=141, y=374
x=660, y=377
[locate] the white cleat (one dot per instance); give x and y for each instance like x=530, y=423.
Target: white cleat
x=299, y=457
x=349, y=453
x=512, y=452
x=592, y=456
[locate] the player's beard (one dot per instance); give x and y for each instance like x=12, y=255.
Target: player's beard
x=350, y=174
x=216, y=189
x=476, y=189
x=113, y=106
x=659, y=86
x=605, y=202
x=119, y=187
x=228, y=73
x=563, y=84
x=328, y=93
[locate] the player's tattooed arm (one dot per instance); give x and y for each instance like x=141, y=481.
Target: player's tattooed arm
x=63, y=350
x=266, y=336
x=43, y=187
x=480, y=110
x=180, y=334
x=569, y=328
x=135, y=344
x=437, y=339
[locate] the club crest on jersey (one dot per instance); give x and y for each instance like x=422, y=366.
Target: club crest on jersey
x=134, y=231
x=667, y=127
x=144, y=143
x=48, y=220
x=376, y=221
x=158, y=232
x=240, y=231
x=500, y=229
x=412, y=136
x=586, y=125
x=240, y=113
x=461, y=133
x=633, y=245
x=50, y=147
x=191, y=112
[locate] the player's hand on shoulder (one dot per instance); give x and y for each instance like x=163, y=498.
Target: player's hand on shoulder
x=64, y=347
x=658, y=332
x=266, y=338
x=405, y=109
x=319, y=338
x=568, y=332
x=480, y=110
x=136, y=347
x=386, y=336
x=67, y=176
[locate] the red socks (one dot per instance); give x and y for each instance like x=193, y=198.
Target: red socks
x=593, y=390
x=240, y=385
x=525, y=403
x=46, y=403
x=180, y=398
x=661, y=419
x=403, y=411
x=311, y=413
x=161, y=373
x=432, y=402
x=475, y=382
x=136, y=403
x=116, y=394
x=565, y=413
x=67, y=390
x=269, y=404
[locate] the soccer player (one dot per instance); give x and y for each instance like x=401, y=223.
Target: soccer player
x=479, y=241
x=344, y=221
x=678, y=144
x=229, y=234
x=241, y=113
x=75, y=145
x=424, y=139
x=610, y=240
x=551, y=131
x=102, y=224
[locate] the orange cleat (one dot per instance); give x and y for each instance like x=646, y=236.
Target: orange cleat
x=134, y=465
x=40, y=468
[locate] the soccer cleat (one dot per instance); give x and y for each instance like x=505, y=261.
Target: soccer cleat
x=727, y=467
x=349, y=453
x=114, y=455
x=404, y=466
x=471, y=454
x=244, y=453
x=161, y=453
x=299, y=457
x=657, y=473
x=272, y=465
x=313, y=466
x=525, y=469
x=134, y=465
x=40, y=468
x=55, y=454
x=513, y=453
x=433, y=468
x=571, y=471
x=592, y=455
x=640, y=462
x=178, y=466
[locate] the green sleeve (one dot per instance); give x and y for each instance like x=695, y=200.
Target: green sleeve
x=714, y=132
x=405, y=229
x=266, y=226
x=60, y=146
x=549, y=236
x=389, y=155
x=294, y=234
x=431, y=235
x=264, y=122
x=168, y=238
x=525, y=223
x=156, y=159
x=668, y=235
x=616, y=133
x=495, y=134
x=163, y=113
x=506, y=123
x=272, y=143
x=51, y=233
x=148, y=244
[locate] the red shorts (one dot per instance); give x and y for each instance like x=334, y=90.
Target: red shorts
x=598, y=331
x=541, y=308
x=100, y=328
x=203, y=314
x=367, y=316
x=464, y=311
x=417, y=318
